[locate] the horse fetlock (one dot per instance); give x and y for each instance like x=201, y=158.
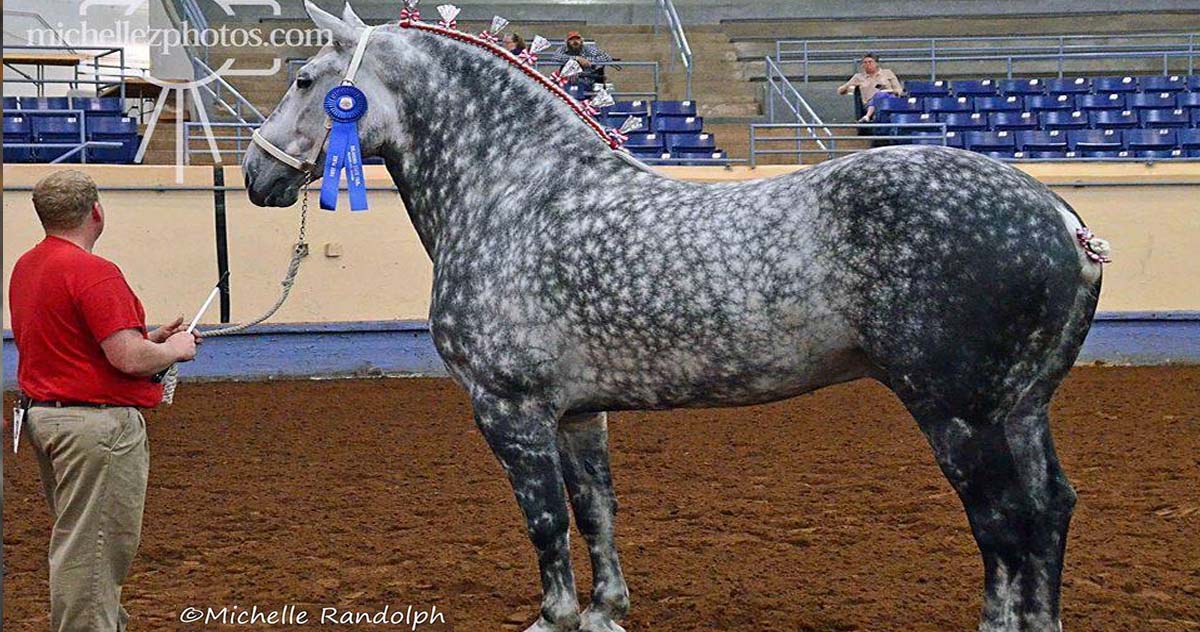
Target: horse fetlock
x=595, y=620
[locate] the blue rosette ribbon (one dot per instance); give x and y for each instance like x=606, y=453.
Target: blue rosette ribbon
x=345, y=105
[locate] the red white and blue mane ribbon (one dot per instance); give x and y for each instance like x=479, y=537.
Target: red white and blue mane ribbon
x=493, y=34
x=410, y=11
x=449, y=15
x=529, y=56
x=345, y=105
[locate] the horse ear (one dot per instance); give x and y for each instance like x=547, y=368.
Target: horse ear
x=344, y=34
x=351, y=18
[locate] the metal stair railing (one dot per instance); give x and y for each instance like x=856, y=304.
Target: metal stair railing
x=679, y=39
x=799, y=114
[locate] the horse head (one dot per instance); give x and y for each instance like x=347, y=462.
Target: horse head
x=298, y=126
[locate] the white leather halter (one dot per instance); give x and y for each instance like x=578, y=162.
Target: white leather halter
x=308, y=164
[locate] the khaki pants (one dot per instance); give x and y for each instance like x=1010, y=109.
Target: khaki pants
x=95, y=463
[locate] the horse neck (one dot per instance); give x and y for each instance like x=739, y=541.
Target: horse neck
x=481, y=141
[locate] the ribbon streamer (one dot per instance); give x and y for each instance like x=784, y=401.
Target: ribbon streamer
x=449, y=15
x=410, y=12
x=618, y=137
x=600, y=99
x=493, y=34
x=345, y=105
x=569, y=71
x=529, y=56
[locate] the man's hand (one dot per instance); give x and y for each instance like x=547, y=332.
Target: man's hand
x=161, y=334
x=583, y=61
x=183, y=345
x=843, y=89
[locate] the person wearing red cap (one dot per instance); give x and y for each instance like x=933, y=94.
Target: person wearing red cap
x=590, y=56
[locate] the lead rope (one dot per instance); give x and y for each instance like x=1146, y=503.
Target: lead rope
x=299, y=251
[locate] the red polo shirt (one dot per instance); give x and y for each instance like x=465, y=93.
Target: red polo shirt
x=64, y=301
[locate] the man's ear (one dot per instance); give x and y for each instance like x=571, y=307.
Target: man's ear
x=97, y=212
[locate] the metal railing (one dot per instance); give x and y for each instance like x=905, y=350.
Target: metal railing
x=780, y=89
x=547, y=67
x=813, y=55
x=99, y=74
x=678, y=38
x=892, y=134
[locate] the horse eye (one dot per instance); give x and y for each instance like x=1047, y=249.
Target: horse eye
x=303, y=82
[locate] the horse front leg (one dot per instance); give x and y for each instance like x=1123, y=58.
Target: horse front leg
x=524, y=443
x=583, y=452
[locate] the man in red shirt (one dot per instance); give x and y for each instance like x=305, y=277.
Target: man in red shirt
x=85, y=367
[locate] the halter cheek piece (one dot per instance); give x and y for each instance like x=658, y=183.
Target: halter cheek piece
x=309, y=164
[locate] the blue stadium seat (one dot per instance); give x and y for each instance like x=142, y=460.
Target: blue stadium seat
x=924, y=137
x=1104, y=153
x=948, y=104
x=576, y=90
x=1034, y=140
x=1044, y=102
x=1160, y=153
x=618, y=121
x=999, y=154
x=690, y=142
x=113, y=129
x=1188, y=100
x=1094, y=139
x=991, y=141
x=927, y=88
x=1154, y=100
x=1115, y=84
x=1013, y=120
x=963, y=121
x=1149, y=138
x=643, y=143
x=44, y=103
x=625, y=109
x=888, y=107
x=1163, y=118
x=673, y=108
x=678, y=124
x=94, y=104
x=1193, y=83
x=903, y=120
x=1113, y=118
x=974, y=87
x=56, y=128
x=10, y=103
x=1057, y=119
x=954, y=139
x=701, y=158
x=17, y=129
x=1069, y=85
x=1107, y=101
x=998, y=104
x=1163, y=83
x=1189, y=138
x=1195, y=114
x=1022, y=86
x=1046, y=155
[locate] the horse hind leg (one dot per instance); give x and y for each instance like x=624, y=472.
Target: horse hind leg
x=1019, y=505
x=524, y=443
x=583, y=452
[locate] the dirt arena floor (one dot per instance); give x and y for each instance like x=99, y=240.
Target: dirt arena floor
x=821, y=513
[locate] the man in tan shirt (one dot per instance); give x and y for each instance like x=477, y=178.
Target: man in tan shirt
x=875, y=84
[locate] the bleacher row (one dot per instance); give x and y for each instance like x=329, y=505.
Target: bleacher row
x=1104, y=117
x=56, y=124
x=671, y=132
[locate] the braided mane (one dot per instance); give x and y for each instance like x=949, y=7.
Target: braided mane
x=531, y=72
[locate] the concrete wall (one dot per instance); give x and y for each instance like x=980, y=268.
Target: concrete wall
x=165, y=240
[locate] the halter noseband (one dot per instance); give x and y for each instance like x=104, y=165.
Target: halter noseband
x=309, y=164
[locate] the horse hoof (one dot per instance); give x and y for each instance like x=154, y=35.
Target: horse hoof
x=593, y=621
x=542, y=625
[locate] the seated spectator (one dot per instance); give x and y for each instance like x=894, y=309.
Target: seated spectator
x=591, y=57
x=874, y=83
x=514, y=43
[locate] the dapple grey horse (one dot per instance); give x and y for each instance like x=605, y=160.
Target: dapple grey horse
x=570, y=280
